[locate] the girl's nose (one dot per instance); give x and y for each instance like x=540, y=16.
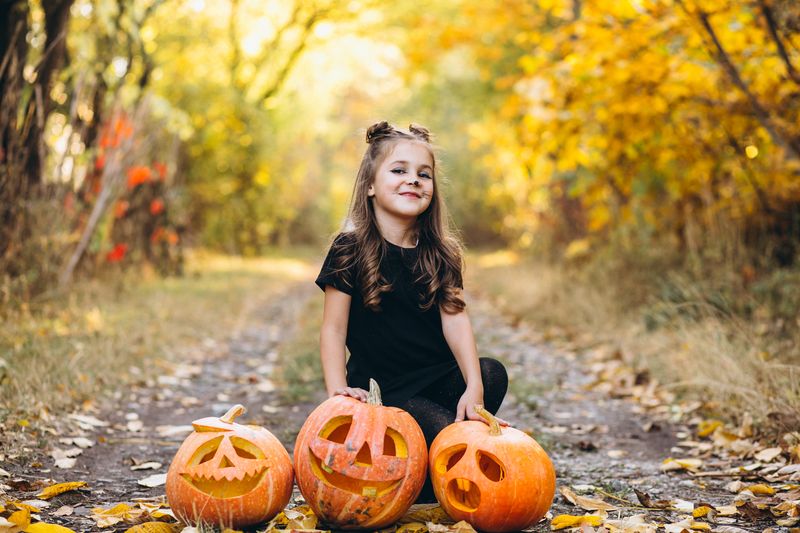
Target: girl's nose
x=414, y=182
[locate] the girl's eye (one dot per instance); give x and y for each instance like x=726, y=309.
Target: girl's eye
x=398, y=170
x=425, y=175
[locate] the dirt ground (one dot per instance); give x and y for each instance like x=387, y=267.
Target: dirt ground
x=601, y=445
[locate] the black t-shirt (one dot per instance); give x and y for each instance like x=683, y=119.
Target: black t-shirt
x=401, y=346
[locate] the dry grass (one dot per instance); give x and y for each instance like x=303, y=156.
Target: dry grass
x=735, y=349
x=67, y=348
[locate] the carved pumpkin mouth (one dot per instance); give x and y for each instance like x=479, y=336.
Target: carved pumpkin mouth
x=463, y=494
x=371, y=489
x=221, y=487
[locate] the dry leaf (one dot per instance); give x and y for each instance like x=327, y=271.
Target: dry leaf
x=153, y=527
x=147, y=466
x=563, y=521
x=121, y=512
x=671, y=464
x=412, y=527
x=60, y=488
x=588, y=504
x=767, y=455
x=632, y=524
x=42, y=527
x=66, y=462
x=156, y=480
x=64, y=510
x=426, y=512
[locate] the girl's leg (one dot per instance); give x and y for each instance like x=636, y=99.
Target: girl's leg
x=432, y=418
x=448, y=390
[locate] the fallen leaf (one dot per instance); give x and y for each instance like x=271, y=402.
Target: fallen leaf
x=64, y=510
x=114, y=515
x=153, y=527
x=767, y=455
x=147, y=466
x=156, y=480
x=60, y=488
x=563, y=521
x=632, y=524
x=42, y=527
x=671, y=464
x=412, y=527
x=588, y=504
x=66, y=462
x=760, y=488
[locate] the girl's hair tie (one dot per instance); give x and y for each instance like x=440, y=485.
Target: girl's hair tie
x=421, y=132
x=379, y=129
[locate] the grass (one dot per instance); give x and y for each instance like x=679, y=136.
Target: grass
x=710, y=335
x=300, y=368
x=66, y=348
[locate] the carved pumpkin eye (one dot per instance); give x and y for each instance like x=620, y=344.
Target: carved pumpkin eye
x=394, y=444
x=450, y=457
x=337, y=429
x=206, y=452
x=491, y=466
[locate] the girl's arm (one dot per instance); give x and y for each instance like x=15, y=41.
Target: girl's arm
x=458, y=334
x=332, y=337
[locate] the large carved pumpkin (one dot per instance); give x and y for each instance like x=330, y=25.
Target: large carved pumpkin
x=229, y=474
x=360, y=465
x=497, y=479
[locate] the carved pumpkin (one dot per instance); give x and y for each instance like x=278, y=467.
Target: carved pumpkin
x=497, y=479
x=229, y=474
x=360, y=465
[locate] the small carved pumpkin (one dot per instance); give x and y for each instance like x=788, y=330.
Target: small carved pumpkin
x=497, y=479
x=360, y=465
x=229, y=474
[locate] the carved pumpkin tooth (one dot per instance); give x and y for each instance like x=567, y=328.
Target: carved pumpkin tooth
x=463, y=484
x=369, y=492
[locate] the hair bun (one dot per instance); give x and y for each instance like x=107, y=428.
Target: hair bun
x=420, y=131
x=379, y=129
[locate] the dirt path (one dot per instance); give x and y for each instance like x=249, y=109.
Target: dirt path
x=598, y=443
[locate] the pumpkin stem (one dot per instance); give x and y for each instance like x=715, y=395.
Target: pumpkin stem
x=494, y=425
x=374, y=396
x=233, y=412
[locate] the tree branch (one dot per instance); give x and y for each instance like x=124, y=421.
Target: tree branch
x=773, y=32
x=792, y=146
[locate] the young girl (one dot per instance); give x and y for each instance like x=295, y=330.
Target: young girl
x=393, y=285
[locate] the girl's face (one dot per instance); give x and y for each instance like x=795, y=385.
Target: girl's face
x=403, y=184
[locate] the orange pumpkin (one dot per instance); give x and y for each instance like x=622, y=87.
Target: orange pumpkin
x=497, y=479
x=360, y=465
x=229, y=474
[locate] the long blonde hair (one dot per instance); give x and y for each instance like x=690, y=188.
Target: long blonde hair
x=438, y=268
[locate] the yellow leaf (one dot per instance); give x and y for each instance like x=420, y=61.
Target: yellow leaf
x=59, y=488
x=22, y=518
x=566, y=520
x=412, y=527
x=42, y=527
x=152, y=527
x=680, y=464
x=760, y=488
x=699, y=526
x=701, y=511
x=22, y=505
x=707, y=427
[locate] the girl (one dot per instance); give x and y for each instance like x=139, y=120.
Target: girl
x=393, y=285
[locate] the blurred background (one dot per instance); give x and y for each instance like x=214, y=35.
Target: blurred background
x=624, y=169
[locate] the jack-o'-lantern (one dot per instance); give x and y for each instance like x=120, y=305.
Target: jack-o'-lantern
x=229, y=474
x=360, y=465
x=497, y=479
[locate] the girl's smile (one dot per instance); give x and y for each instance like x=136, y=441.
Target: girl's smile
x=403, y=184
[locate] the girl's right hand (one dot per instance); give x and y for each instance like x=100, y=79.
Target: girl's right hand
x=353, y=392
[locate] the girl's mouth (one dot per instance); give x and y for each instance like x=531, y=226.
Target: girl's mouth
x=410, y=194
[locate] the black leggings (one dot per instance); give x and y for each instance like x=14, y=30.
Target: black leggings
x=434, y=407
